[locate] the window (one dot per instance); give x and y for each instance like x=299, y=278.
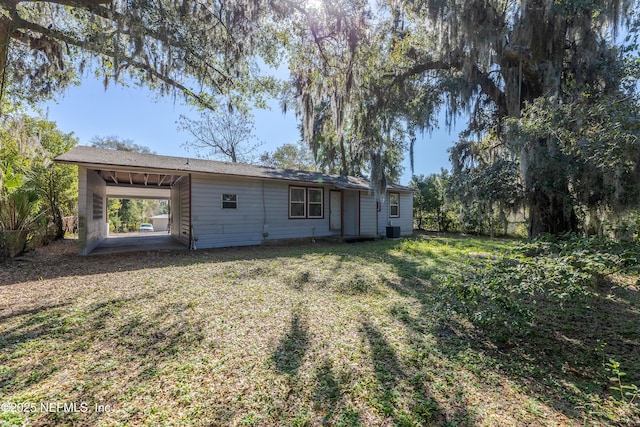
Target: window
x=297, y=202
x=315, y=202
x=305, y=202
x=229, y=201
x=394, y=205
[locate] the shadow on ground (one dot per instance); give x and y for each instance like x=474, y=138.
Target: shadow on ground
x=561, y=360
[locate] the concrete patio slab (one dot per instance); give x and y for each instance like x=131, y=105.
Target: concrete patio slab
x=138, y=242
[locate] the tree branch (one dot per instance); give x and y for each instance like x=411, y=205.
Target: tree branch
x=490, y=89
x=100, y=50
x=114, y=16
x=455, y=62
x=71, y=3
x=478, y=77
x=522, y=56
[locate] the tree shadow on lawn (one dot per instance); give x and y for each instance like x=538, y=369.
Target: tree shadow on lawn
x=67, y=263
x=391, y=378
x=70, y=264
x=288, y=356
x=100, y=354
x=328, y=396
x=393, y=395
x=328, y=386
x=561, y=360
x=557, y=364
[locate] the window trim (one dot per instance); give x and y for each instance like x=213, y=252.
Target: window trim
x=304, y=202
x=223, y=201
x=321, y=203
x=397, y=215
x=307, y=203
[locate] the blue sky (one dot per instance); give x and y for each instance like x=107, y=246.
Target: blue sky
x=137, y=114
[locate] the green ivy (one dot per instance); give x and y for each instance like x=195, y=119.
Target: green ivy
x=501, y=295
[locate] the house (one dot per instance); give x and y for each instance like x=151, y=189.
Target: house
x=217, y=204
x=160, y=222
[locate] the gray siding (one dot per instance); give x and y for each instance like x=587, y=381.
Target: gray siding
x=405, y=220
x=406, y=214
x=180, y=210
x=217, y=227
x=91, y=230
x=368, y=214
x=262, y=213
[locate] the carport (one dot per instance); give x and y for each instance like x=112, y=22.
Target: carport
x=116, y=175
x=135, y=242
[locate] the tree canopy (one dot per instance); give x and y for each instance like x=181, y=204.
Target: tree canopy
x=290, y=156
x=550, y=91
x=34, y=192
x=225, y=134
x=114, y=142
x=550, y=86
x=197, y=49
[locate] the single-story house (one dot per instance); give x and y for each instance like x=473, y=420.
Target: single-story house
x=160, y=222
x=216, y=204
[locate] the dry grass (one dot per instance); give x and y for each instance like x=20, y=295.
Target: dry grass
x=324, y=334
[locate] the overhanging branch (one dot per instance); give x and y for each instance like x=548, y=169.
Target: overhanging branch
x=100, y=50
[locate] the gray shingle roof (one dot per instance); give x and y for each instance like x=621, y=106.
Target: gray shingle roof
x=98, y=158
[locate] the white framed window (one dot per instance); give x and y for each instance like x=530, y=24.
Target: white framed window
x=394, y=205
x=306, y=202
x=297, y=202
x=229, y=201
x=315, y=204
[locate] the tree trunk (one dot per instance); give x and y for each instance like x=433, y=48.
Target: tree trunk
x=546, y=172
x=550, y=215
x=57, y=220
x=551, y=211
x=343, y=155
x=491, y=224
x=504, y=219
x=5, y=41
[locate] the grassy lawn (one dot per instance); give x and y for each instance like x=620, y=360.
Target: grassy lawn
x=322, y=334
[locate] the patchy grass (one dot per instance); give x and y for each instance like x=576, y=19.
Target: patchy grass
x=324, y=334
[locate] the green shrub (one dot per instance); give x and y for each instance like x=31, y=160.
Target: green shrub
x=501, y=295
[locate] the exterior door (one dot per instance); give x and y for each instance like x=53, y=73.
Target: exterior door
x=335, y=210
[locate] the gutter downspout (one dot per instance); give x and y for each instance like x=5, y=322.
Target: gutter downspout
x=192, y=242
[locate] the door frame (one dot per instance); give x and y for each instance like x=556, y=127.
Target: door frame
x=332, y=210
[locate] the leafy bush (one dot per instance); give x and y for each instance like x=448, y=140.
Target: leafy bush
x=34, y=192
x=627, y=228
x=501, y=295
x=627, y=392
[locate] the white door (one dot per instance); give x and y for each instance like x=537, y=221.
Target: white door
x=335, y=211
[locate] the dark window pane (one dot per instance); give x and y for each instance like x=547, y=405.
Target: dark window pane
x=315, y=210
x=297, y=194
x=297, y=209
x=229, y=201
x=315, y=195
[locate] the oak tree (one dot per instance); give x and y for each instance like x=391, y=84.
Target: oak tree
x=196, y=49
